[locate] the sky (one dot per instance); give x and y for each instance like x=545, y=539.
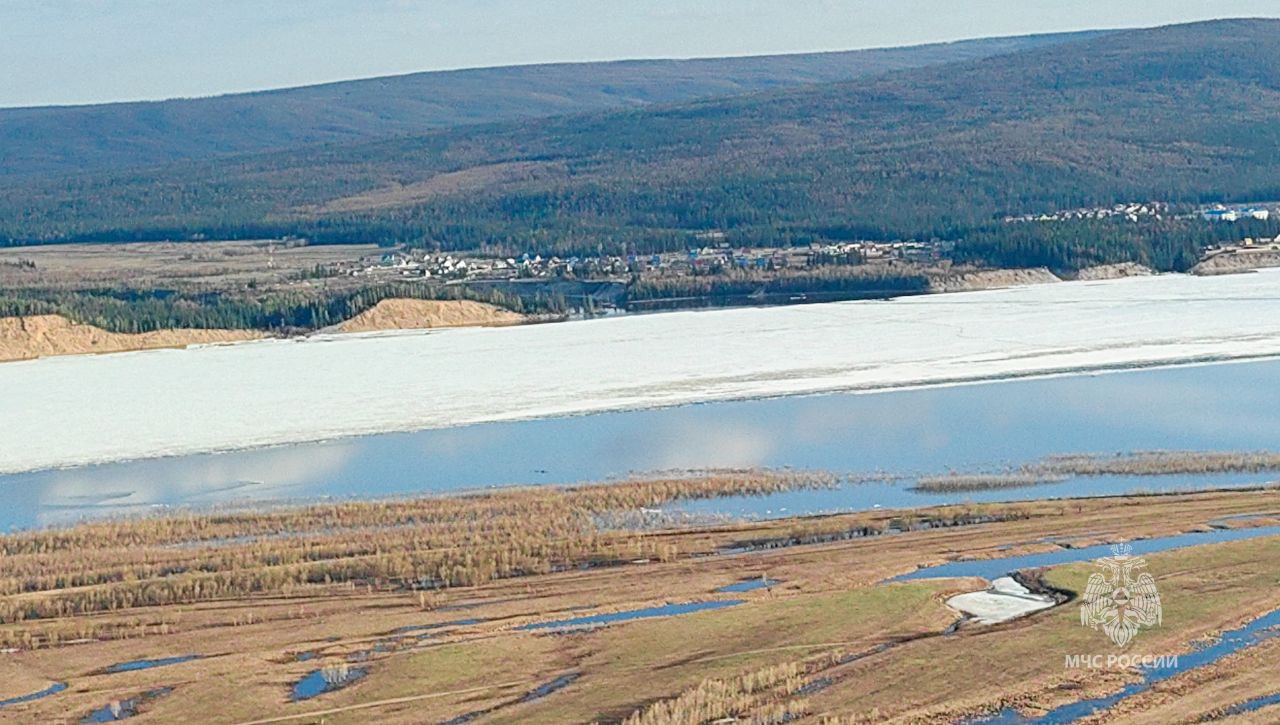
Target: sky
x=93, y=51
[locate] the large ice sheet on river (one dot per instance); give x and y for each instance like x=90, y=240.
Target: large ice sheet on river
x=76, y=410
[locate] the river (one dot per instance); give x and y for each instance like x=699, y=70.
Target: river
x=80, y=410
x=1209, y=407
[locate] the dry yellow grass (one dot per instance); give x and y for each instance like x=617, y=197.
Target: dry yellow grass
x=1157, y=463
x=881, y=646
x=1055, y=469
x=424, y=543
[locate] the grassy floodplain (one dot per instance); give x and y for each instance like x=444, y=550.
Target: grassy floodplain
x=430, y=601
x=423, y=544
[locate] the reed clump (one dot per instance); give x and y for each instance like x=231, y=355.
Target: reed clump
x=958, y=482
x=1058, y=468
x=336, y=674
x=1158, y=463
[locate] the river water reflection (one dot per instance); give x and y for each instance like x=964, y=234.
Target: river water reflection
x=1212, y=407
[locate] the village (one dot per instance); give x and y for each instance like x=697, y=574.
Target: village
x=715, y=256
x=1130, y=211
x=1157, y=210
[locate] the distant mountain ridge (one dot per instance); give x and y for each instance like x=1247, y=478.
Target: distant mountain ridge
x=1187, y=113
x=59, y=139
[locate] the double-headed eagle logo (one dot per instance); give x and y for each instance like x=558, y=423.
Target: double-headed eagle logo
x=1117, y=600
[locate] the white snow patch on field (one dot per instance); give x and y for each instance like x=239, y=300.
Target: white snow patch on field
x=1005, y=600
x=87, y=409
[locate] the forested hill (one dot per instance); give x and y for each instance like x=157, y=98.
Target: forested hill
x=79, y=138
x=1182, y=113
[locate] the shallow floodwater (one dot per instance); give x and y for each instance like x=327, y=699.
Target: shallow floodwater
x=995, y=568
x=1255, y=632
x=318, y=682
x=927, y=431
x=548, y=688
x=1230, y=642
x=1256, y=703
x=136, y=665
x=50, y=690
x=123, y=709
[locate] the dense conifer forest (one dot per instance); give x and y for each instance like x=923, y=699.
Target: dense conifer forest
x=130, y=310
x=1183, y=115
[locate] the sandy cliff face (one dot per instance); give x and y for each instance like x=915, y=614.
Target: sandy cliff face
x=981, y=279
x=991, y=279
x=1238, y=262
x=1114, y=271
x=406, y=314
x=23, y=338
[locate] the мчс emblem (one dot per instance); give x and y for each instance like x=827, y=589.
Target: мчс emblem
x=1118, y=600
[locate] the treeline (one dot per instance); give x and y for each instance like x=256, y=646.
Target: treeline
x=852, y=280
x=1169, y=245
x=930, y=153
x=132, y=311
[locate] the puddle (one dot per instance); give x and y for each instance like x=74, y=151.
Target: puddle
x=547, y=688
x=136, y=665
x=536, y=693
x=1259, y=630
x=50, y=690
x=991, y=569
x=327, y=679
x=666, y=610
x=1004, y=717
x=817, y=685
x=124, y=709
x=748, y=585
x=385, y=645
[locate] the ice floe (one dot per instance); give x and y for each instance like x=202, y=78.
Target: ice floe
x=90, y=409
